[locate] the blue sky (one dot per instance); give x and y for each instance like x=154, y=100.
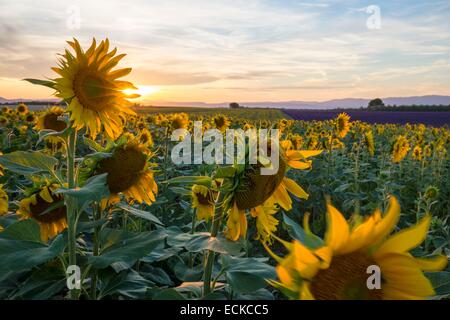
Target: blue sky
x=254, y=50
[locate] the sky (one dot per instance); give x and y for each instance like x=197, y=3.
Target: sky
x=254, y=50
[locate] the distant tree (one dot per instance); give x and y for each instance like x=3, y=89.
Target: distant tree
x=375, y=103
x=234, y=105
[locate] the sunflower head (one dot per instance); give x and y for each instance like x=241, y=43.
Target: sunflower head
x=179, y=121
x=3, y=121
x=342, y=124
x=30, y=118
x=338, y=269
x=48, y=120
x=203, y=201
x=145, y=138
x=221, y=122
x=400, y=149
x=91, y=87
x=47, y=208
x=128, y=172
x=22, y=108
x=417, y=153
x=369, y=142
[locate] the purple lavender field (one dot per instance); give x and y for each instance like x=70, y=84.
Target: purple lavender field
x=437, y=119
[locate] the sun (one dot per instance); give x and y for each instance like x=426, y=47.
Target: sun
x=142, y=90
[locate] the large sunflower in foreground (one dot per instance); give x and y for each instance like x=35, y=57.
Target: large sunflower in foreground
x=338, y=270
x=47, y=209
x=260, y=194
x=129, y=172
x=89, y=84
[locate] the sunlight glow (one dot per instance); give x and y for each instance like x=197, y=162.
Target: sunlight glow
x=142, y=90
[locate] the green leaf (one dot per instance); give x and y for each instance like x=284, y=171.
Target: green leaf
x=93, y=145
x=297, y=232
x=440, y=281
x=168, y=294
x=27, y=230
x=21, y=255
x=140, y=213
x=45, y=83
x=28, y=162
x=127, y=247
x=51, y=133
x=95, y=189
x=129, y=284
x=225, y=172
x=203, y=241
x=190, y=180
x=246, y=275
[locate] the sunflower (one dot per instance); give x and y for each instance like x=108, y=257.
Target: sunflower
x=400, y=149
x=179, y=121
x=203, y=201
x=342, y=125
x=47, y=209
x=95, y=97
x=417, y=153
x=22, y=108
x=3, y=121
x=145, y=137
x=3, y=201
x=48, y=120
x=221, y=122
x=30, y=118
x=369, y=142
x=129, y=173
x=338, y=269
x=1, y=168
x=256, y=191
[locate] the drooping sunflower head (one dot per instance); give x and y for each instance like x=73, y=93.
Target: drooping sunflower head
x=342, y=124
x=91, y=87
x=400, y=149
x=221, y=122
x=203, y=201
x=129, y=173
x=339, y=269
x=47, y=209
x=48, y=120
x=22, y=108
x=3, y=201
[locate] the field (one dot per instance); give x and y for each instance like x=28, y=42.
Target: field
x=436, y=119
x=100, y=202
x=156, y=243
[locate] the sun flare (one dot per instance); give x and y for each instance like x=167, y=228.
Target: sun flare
x=142, y=90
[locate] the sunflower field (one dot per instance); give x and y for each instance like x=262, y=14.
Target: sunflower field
x=93, y=207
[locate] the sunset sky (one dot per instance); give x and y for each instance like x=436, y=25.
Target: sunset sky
x=252, y=50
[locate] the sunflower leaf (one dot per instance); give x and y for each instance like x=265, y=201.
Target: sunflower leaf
x=297, y=232
x=140, y=213
x=45, y=83
x=28, y=163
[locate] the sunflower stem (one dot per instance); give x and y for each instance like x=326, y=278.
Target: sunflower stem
x=71, y=205
x=211, y=254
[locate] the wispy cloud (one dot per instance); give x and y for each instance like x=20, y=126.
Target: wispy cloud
x=208, y=50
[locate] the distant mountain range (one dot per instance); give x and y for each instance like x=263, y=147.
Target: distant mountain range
x=330, y=104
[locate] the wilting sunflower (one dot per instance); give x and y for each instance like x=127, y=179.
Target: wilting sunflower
x=129, y=172
x=22, y=108
x=400, y=149
x=47, y=209
x=90, y=86
x=338, y=269
x=221, y=122
x=203, y=200
x=342, y=125
x=3, y=201
x=257, y=190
